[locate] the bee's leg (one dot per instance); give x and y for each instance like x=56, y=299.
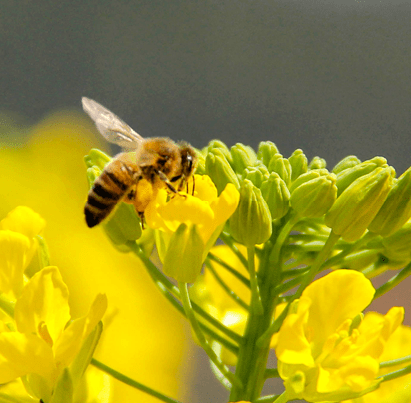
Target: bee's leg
x=131, y=195
x=142, y=218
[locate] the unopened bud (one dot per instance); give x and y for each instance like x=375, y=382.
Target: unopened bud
x=317, y=163
x=314, y=197
x=281, y=166
x=276, y=194
x=397, y=245
x=348, y=176
x=251, y=222
x=266, y=150
x=96, y=158
x=257, y=175
x=357, y=206
x=310, y=175
x=243, y=157
x=396, y=210
x=220, y=171
x=299, y=164
x=346, y=163
x=183, y=259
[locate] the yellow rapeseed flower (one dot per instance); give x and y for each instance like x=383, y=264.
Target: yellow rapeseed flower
x=322, y=354
x=398, y=345
x=203, y=213
x=46, y=340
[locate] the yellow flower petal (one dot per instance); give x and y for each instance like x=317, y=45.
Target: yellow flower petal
x=43, y=305
x=14, y=250
x=22, y=354
x=68, y=345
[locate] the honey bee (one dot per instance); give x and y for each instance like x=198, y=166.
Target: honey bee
x=134, y=177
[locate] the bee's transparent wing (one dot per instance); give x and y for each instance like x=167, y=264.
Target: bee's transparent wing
x=111, y=126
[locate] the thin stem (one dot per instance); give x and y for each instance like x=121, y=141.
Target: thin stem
x=256, y=303
x=271, y=373
x=396, y=374
x=168, y=289
x=226, y=266
x=226, y=288
x=230, y=243
x=397, y=361
x=393, y=281
x=267, y=399
x=185, y=298
x=131, y=382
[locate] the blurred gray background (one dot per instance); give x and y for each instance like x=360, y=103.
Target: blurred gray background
x=330, y=77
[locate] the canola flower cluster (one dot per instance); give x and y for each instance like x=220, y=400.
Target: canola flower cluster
x=278, y=222
x=281, y=222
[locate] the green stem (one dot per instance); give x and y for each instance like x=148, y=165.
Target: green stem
x=308, y=278
x=131, y=382
x=256, y=304
x=396, y=374
x=393, y=281
x=271, y=373
x=185, y=298
x=226, y=288
x=398, y=361
x=233, y=271
x=168, y=289
x=228, y=240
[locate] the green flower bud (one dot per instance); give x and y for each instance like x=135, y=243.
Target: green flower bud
x=220, y=171
x=396, y=210
x=96, y=158
x=307, y=177
x=183, y=259
x=346, y=163
x=314, y=197
x=397, y=245
x=299, y=164
x=251, y=222
x=276, y=194
x=266, y=150
x=243, y=157
x=281, y=166
x=257, y=175
x=348, y=176
x=357, y=206
x=317, y=163
x=215, y=145
x=201, y=156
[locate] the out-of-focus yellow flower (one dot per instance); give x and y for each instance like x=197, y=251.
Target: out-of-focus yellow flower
x=46, y=173
x=17, y=246
x=44, y=344
x=322, y=354
x=398, y=345
x=205, y=210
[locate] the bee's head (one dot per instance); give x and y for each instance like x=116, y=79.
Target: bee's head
x=188, y=160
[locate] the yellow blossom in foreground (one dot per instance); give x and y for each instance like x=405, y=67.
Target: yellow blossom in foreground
x=397, y=346
x=202, y=216
x=46, y=172
x=46, y=340
x=323, y=354
x=17, y=247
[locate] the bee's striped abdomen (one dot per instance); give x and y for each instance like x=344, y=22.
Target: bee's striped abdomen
x=108, y=189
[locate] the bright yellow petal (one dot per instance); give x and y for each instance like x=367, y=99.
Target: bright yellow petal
x=204, y=188
x=43, y=305
x=14, y=249
x=22, y=354
x=338, y=296
x=68, y=345
x=292, y=344
x=23, y=220
x=226, y=204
